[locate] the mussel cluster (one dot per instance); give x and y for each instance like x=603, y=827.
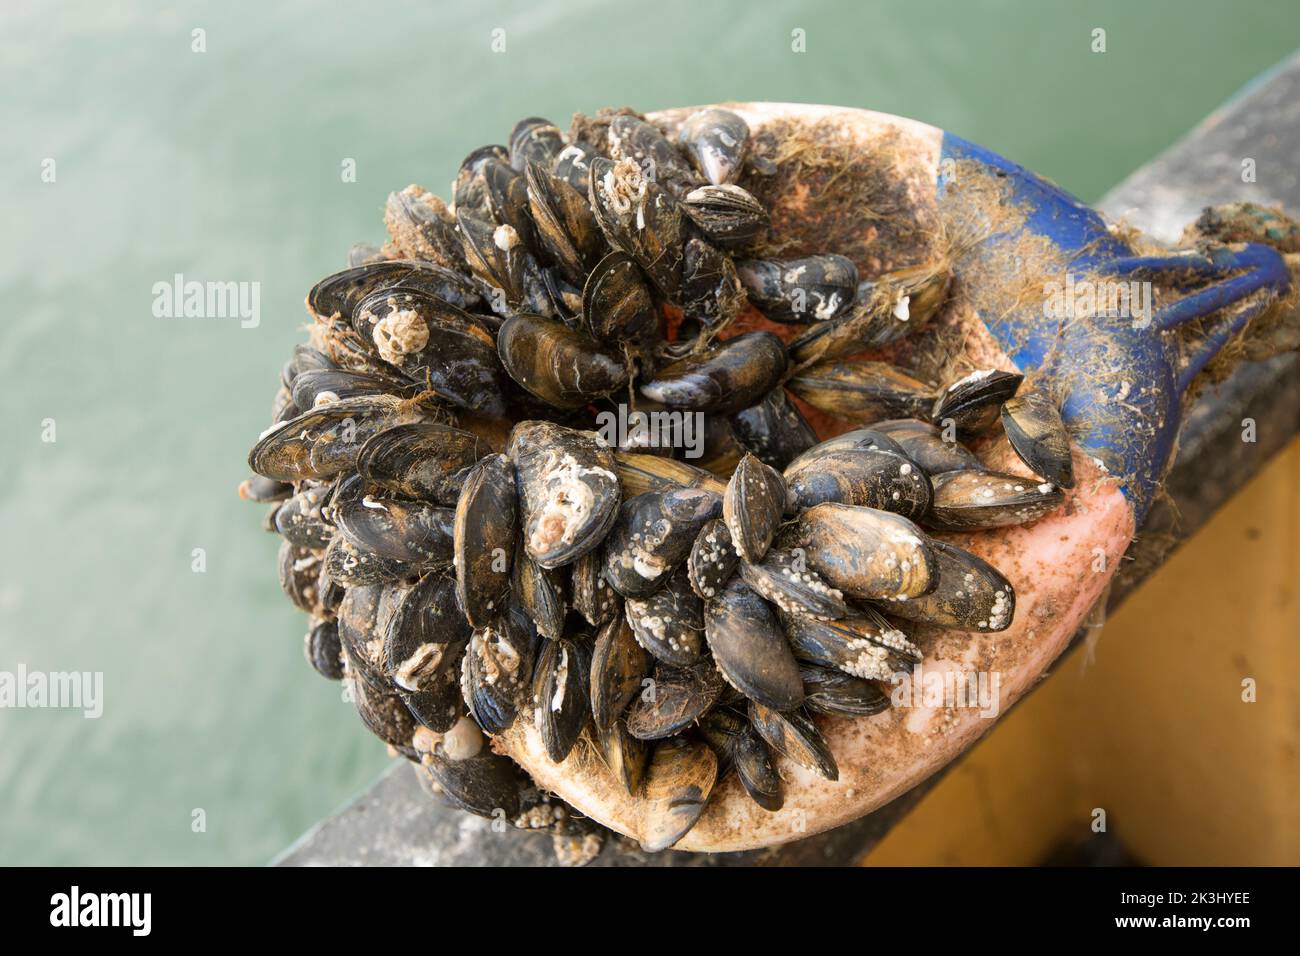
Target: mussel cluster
x=473, y=553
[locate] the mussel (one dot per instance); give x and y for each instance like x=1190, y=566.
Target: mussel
x=569, y=491
x=618, y=666
x=862, y=391
x=421, y=227
x=971, y=594
x=669, y=623
x=727, y=215
x=325, y=441
x=675, y=698
x=774, y=429
x=794, y=737
x=653, y=535
x=485, y=530
x=561, y=706
x=873, y=478
x=974, y=499
x=559, y=365
x=752, y=507
x=973, y=402
x=678, y=784
x=716, y=141
x=864, y=552
x=750, y=648
x=421, y=460
x=812, y=289
x=640, y=218
x=1034, y=427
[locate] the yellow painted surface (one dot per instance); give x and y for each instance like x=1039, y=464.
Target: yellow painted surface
x=1153, y=729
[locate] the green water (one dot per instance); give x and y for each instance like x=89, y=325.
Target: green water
x=225, y=165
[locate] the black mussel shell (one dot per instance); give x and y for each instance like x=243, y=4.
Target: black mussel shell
x=473, y=778
x=794, y=737
x=713, y=559
x=414, y=532
x=559, y=365
x=421, y=227
x=727, y=215
x=774, y=429
x=731, y=375
x=590, y=593
x=573, y=165
x=617, y=305
x=561, y=706
x=1037, y=433
x=342, y=292
x=675, y=698
x=624, y=755
x=436, y=345
x=784, y=579
x=860, y=439
x=496, y=671
x=386, y=716
x=872, y=478
x=977, y=499
x=862, y=643
x=752, y=507
x=799, y=291
x=750, y=648
x=299, y=520
x=639, y=473
x=711, y=291
x=565, y=225
x=828, y=690
x=864, y=552
x=618, y=666
x=678, y=783
x=421, y=460
x=653, y=535
x=325, y=441
x=323, y=650
x=322, y=386
x=486, y=531
x=534, y=140
x=716, y=141
x=469, y=191
x=540, y=593
x=351, y=566
x=670, y=622
x=640, y=218
x=971, y=594
x=632, y=138
x=862, y=391
x=569, y=490
x=972, y=403
x=924, y=444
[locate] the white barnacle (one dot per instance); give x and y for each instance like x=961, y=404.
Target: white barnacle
x=505, y=238
x=561, y=680
x=400, y=333
x=463, y=741
x=902, y=311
